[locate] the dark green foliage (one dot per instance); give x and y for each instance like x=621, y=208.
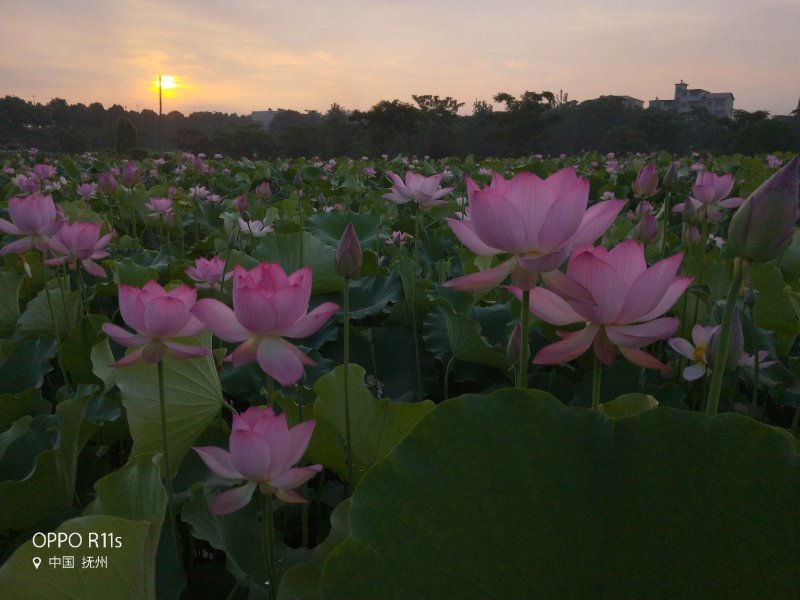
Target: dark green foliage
x=126, y=137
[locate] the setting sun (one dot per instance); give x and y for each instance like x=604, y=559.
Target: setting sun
x=167, y=82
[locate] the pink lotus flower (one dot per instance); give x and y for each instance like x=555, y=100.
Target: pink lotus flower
x=43, y=172
x=29, y=185
x=262, y=452
x=35, y=217
x=254, y=227
x=646, y=183
x=80, y=242
x=537, y=221
x=198, y=192
x=157, y=316
x=268, y=305
x=208, y=273
x=87, y=190
x=398, y=238
x=161, y=209
x=699, y=352
x=709, y=194
x=425, y=191
x=618, y=297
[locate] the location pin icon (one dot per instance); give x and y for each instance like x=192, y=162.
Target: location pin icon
x=36, y=562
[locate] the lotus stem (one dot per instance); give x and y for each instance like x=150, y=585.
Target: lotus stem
x=667, y=203
x=756, y=362
x=348, y=437
x=447, y=370
x=268, y=545
x=524, y=319
x=167, y=472
x=413, y=284
x=55, y=323
x=712, y=405
x=596, y=380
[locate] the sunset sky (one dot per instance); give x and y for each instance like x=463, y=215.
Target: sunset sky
x=245, y=55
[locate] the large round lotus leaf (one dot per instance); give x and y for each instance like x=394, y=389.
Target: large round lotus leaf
x=512, y=495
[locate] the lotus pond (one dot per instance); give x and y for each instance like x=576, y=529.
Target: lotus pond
x=571, y=377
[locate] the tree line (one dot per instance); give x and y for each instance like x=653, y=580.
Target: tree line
x=534, y=122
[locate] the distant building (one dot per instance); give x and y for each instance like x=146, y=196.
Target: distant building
x=718, y=104
x=263, y=117
x=630, y=101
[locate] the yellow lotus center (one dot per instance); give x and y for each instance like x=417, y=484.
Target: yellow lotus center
x=699, y=352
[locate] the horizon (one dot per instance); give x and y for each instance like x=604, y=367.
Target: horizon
x=244, y=57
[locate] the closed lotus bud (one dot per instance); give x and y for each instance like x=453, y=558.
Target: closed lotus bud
x=263, y=190
x=763, y=225
x=106, y=184
x=735, y=345
x=671, y=178
x=348, y=255
x=646, y=181
x=240, y=202
x=691, y=235
x=689, y=214
x=647, y=230
x=298, y=179
x=130, y=174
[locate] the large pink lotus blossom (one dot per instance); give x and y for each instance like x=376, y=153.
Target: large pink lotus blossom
x=35, y=217
x=537, y=221
x=619, y=299
x=262, y=452
x=268, y=305
x=425, y=191
x=710, y=193
x=158, y=316
x=208, y=273
x=80, y=242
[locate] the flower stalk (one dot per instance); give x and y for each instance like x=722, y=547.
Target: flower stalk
x=173, y=521
x=268, y=545
x=712, y=404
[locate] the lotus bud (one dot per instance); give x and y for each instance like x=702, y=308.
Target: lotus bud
x=689, y=214
x=298, y=179
x=735, y=345
x=671, y=178
x=647, y=231
x=691, y=235
x=106, y=184
x=348, y=255
x=263, y=190
x=130, y=174
x=240, y=202
x=763, y=225
x=646, y=181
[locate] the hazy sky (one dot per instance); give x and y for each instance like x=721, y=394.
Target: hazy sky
x=245, y=55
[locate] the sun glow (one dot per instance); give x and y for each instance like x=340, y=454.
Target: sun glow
x=167, y=85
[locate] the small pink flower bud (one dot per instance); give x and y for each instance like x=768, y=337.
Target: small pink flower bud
x=646, y=182
x=263, y=190
x=348, y=255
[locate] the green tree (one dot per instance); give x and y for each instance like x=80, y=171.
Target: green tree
x=125, y=137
